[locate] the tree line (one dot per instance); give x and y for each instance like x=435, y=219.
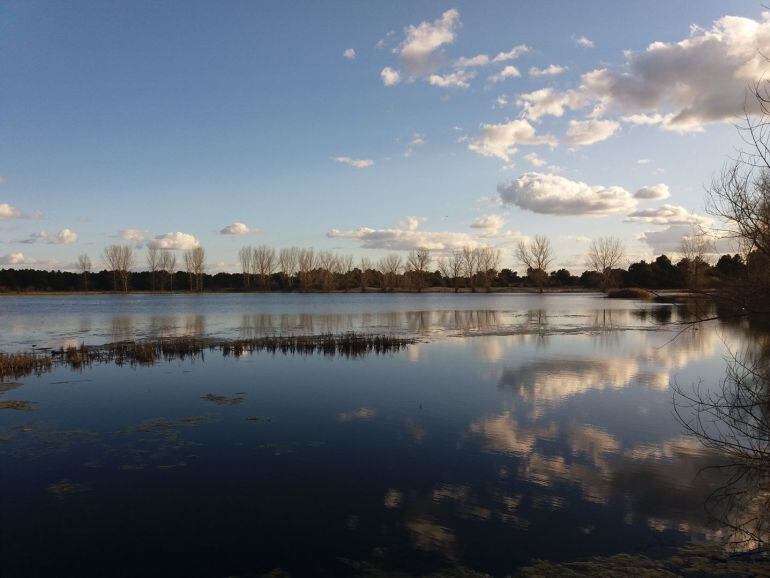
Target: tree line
x=472, y=269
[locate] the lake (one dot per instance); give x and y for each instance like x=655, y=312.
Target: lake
x=516, y=427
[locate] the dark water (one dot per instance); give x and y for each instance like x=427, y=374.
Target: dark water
x=518, y=427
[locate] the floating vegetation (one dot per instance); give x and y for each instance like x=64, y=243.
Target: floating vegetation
x=16, y=365
x=222, y=399
x=17, y=405
x=65, y=488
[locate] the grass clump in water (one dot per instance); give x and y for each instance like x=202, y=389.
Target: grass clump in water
x=17, y=405
x=13, y=366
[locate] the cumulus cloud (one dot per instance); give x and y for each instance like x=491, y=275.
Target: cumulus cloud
x=401, y=239
x=14, y=259
x=684, y=85
x=587, y=132
x=9, y=212
x=472, y=61
x=554, y=195
x=237, y=228
x=390, y=76
x=550, y=70
x=490, y=223
x=666, y=215
x=410, y=223
x=459, y=79
x=509, y=71
x=420, y=51
x=548, y=101
x=358, y=163
x=63, y=237
x=174, y=241
x=668, y=240
x=535, y=160
x=512, y=54
x=350, y=53
x=584, y=42
x=132, y=235
x=652, y=192
x=501, y=140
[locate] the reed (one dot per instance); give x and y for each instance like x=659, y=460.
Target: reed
x=148, y=352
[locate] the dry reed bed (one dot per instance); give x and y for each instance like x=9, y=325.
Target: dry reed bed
x=15, y=365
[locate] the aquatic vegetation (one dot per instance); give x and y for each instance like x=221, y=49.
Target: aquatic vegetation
x=65, y=488
x=222, y=399
x=16, y=365
x=19, y=405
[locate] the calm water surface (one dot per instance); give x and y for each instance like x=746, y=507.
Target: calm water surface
x=518, y=427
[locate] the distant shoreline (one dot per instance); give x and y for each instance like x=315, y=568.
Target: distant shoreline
x=374, y=291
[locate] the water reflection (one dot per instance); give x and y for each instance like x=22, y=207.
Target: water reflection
x=547, y=426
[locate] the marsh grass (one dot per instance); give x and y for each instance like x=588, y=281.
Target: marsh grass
x=16, y=365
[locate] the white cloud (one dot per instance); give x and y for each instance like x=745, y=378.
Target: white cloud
x=550, y=70
x=390, y=76
x=584, y=42
x=420, y=51
x=237, y=228
x=547, y=101
x=350, y=53
x=491, y=222
x=554, y=195
x=457, y=79
x=587, y=132
x=473, y=61
x=358, y=163
x=63, y=237
x=410, y=223
x=9, y=212
x=666, y=215
x=417, y=141
x=535, y=160
x=653, y=192
x=684, y=85
x=501, y=140
x=405, y=239
x=643, y=161
x=512, y=54
x=509, y=71
x=133, y=235
x=14, y=259
x=668, y=240
x=174, y=241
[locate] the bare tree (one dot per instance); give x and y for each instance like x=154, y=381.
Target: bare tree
x=327, y=267
x=287, y=263
x=153, y=264
x=417, y=263
x=84, y=266
x=470, y=263
x=345, y=263
x=364, y=265
x=306, y=263
x=195, y=262
x=536, y=256
x=167, y=264
x=245, y=256
x=696, y=250
x=488, y=260
x=451, y=268
x=264, y=264
x=740, y=199
x=604, y=255
x=120, y=260
x=390, y=266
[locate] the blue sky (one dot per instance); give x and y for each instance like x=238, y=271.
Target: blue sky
x=164, y=123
